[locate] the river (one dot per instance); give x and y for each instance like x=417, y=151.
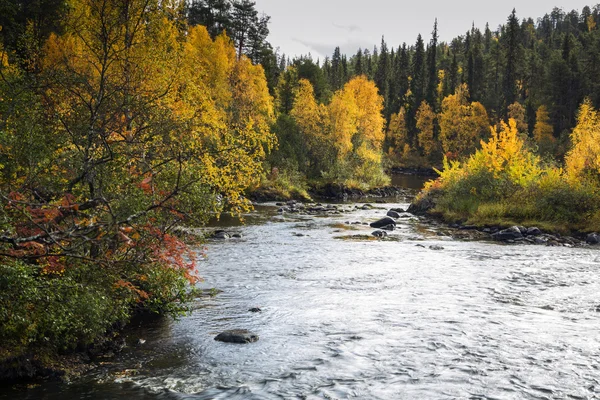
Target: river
x=420, y=316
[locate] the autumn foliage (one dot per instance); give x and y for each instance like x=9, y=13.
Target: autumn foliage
x=136, y=125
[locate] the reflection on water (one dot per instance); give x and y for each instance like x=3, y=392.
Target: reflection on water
x=368, y=320
x=410, y=181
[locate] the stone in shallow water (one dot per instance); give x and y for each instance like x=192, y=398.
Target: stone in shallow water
x=240, y=336
x=383, y=222
x=379, y=234
x=393, y=214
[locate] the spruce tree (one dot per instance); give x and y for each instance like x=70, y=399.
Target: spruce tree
x=511, y=49
x=432, y=70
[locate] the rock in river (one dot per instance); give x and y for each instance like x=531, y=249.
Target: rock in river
x=512, y=233
x=383, y=222
x=221, y=235
x=593, y=238
x=393, y=214
x=240, y=336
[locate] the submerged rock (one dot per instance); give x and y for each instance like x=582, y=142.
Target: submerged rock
x=255, y=310
x=379, y=234
x=383, y=222
x=239, y=336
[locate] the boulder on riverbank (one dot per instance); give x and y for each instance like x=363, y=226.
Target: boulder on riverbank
x=512, y=233
x=239, y=336
x=593, y=238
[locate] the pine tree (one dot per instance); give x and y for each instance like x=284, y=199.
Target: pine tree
x=358, y=63
x=512, y=54
x=382, y=75
x=432, y=70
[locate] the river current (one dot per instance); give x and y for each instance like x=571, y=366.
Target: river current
x=418, y=316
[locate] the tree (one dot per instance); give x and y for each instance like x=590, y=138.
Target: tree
x=426, y=126
x=310, y=119
x=397, y=134
x=512, y=51
x=383, y=72
x=141, y=128
x=583, y=161
x=517, y=112
x=241, y=21
x=543, y=133
x=358, y=63
x=215, y=15
x=462, y=125
x=432, y=70
x=356, y=129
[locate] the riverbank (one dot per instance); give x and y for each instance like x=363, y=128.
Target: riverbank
x=502, y=229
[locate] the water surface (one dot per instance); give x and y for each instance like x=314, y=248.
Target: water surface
x=368, y=319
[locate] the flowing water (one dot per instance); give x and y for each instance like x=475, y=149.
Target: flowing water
x=421, y=316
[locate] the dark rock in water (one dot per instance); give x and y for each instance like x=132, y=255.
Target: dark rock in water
x=533, y=231
x=379, y=234
x=255, y=310
x=280, y=204
x=398, y=210
x=221, y=235
x=435, y=247
x=383, y=222
x=393, y=214
x=389, y=227
x=593, y=238
x=237, y=236
x=512, y=233
x=240, y=336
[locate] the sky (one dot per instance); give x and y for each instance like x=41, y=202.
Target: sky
x=299, y=27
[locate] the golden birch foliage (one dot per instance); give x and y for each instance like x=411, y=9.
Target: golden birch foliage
x=543, y=132
x=156, y=101
x=425, y=125
x=369, y=104
x=462, y=125
x=305, y=111
x=397, y=133
x=342, y=113
x=505, y=153
x=584, y=158
x=500, y=167
x=356, y=110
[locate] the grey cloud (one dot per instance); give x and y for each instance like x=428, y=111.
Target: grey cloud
x=326, y=49
x=349, y=28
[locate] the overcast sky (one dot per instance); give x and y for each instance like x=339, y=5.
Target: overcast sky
x=317, y=26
